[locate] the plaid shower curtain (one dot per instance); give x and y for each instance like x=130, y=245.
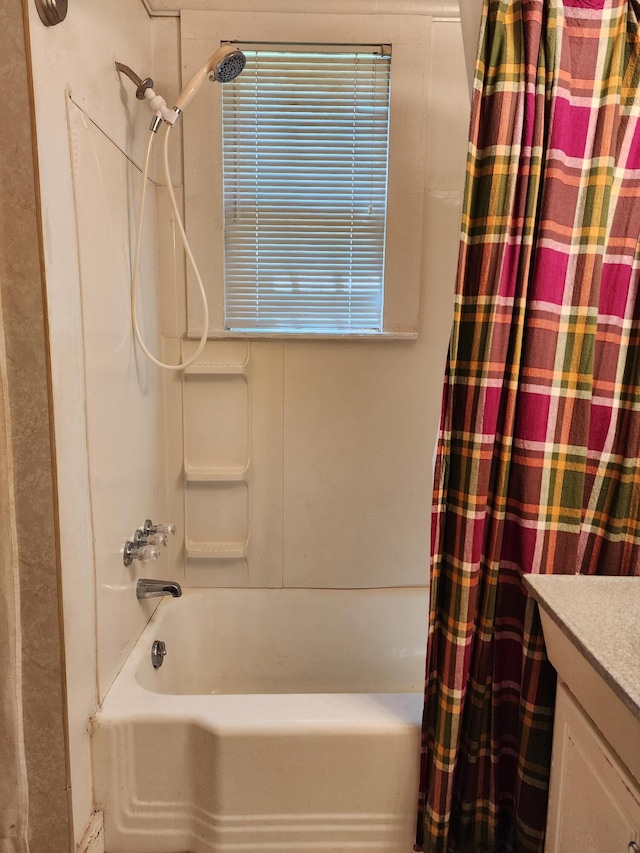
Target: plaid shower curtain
x=537, y=467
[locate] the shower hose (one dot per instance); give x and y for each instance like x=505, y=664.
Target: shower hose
x=187, y=248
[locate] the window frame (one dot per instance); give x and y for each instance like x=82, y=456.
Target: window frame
x=409, y=35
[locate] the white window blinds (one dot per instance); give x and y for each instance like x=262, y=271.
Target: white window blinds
x=305, y=142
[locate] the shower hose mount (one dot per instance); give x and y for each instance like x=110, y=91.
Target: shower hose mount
x=222, y=66
x=144, y=92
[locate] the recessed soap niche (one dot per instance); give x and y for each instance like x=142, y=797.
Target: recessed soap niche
x=217, y=438
x=218, y=519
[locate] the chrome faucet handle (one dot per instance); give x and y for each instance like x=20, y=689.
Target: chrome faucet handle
x=163, y=529
x=139, y=551
x=142, y=538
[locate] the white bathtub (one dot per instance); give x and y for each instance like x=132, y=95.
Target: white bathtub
x=281, y=720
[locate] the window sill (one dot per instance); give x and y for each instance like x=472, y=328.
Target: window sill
x=309, y=336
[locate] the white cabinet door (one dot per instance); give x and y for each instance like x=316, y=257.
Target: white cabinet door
x=594, y=805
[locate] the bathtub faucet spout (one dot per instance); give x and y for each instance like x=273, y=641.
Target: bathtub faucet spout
x=146, y=588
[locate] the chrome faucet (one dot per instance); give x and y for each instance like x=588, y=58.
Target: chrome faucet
x=146, y=588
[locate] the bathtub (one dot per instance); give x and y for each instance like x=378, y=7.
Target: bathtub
x=280, y=720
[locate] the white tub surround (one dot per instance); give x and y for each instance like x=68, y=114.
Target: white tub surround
x=591, y=628
x=246, y=738
x=283, y=485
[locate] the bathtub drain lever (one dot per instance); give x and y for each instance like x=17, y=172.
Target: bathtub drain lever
x=158, y=651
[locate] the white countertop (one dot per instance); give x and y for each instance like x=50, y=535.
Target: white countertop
x=601, y=616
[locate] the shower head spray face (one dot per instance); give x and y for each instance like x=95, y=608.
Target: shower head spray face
x=225, y=65
x=230, y=65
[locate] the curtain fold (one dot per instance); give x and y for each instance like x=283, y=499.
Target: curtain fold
x=537, y=467
x=13, y=778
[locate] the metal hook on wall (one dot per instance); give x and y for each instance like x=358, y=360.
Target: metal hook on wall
x=51, y=12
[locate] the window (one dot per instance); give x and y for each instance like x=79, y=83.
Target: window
x=245, y=222
x=305, y=155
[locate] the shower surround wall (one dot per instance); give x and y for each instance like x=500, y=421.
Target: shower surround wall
x=308, y=462
x=339, y=435
x=108, y=404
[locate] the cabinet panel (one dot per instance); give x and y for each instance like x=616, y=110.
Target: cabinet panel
x=594, y=804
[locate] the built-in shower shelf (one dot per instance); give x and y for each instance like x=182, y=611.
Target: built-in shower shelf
x=216, y=369
x=216, y=475
x=217, y=550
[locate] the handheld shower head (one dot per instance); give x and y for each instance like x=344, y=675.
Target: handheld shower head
x=223, y=66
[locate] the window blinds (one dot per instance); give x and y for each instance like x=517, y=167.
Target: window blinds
x=305, y=144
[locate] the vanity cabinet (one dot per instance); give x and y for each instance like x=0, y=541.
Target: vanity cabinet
x=594, y=803
x=590, y=627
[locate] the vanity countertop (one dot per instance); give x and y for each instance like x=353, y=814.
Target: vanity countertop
x=601, y=617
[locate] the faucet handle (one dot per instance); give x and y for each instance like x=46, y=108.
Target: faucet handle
x=164, y=529
x=144, y=553
x=140, y=537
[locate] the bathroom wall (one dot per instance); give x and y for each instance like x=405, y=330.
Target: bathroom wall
x=109, y=406
x=308, y=463
x=124, y=394
x=339, y=436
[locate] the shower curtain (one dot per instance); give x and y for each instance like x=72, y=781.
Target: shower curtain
x=537, y=467
x=13, y=774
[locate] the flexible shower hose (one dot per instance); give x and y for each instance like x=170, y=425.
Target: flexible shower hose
x=187, y=248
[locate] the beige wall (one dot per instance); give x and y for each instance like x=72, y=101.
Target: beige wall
x=25, y=340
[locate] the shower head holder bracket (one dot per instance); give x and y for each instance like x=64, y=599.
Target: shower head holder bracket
x=142, y=85
x=159, y=107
